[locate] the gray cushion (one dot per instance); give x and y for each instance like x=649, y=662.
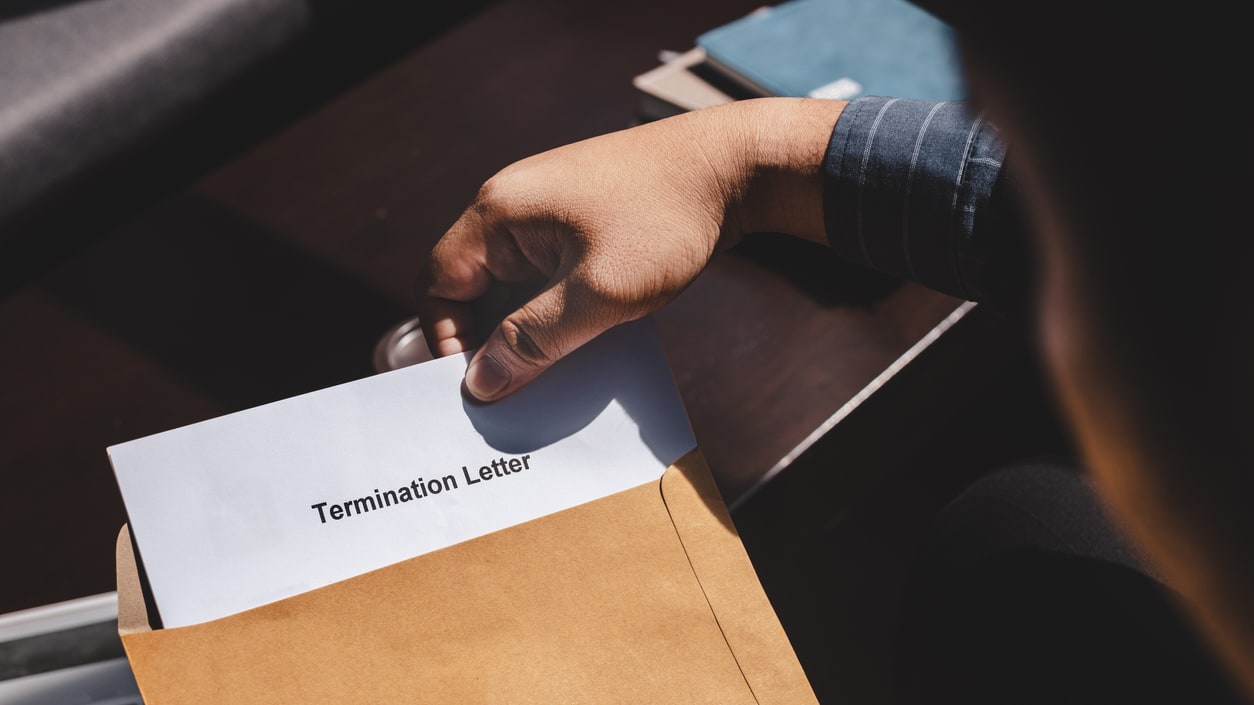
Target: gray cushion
x=83, y=81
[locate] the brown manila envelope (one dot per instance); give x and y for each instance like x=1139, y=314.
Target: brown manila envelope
x=599, y=566
x=644, y=597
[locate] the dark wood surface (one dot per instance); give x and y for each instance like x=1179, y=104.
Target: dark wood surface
x=277, y=274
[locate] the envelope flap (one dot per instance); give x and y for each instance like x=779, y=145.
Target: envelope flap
x=731, y=585
x=132, y=612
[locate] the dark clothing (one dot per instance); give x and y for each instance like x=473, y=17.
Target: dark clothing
x=1028, y=592
x=919, y=189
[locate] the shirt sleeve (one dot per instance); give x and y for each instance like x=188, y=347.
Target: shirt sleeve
x=920, y=190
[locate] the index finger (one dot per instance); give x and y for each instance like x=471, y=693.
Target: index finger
x=464, y=271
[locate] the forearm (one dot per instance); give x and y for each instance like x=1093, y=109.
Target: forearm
x=765, y=156
x=787, y=140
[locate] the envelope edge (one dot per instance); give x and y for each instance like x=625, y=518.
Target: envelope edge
x=754, y=634
x=132, y=612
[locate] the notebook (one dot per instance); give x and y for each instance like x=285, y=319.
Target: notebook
x=838, y=49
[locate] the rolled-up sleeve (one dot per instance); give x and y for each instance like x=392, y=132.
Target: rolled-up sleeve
x=919, y=189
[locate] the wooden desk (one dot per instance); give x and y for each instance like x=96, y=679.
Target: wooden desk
x=276, y=275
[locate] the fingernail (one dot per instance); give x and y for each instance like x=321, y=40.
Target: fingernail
x=486, y=378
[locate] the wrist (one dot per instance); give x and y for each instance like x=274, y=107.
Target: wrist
x=785, y=140
x=759, y=164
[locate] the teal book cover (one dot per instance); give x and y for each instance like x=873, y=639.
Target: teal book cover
x=839, y=49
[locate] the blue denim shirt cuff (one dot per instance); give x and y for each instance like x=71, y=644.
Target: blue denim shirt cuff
x=905, y=183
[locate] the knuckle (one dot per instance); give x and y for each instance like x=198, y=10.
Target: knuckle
x=440, y=270
x=524, y=342
x=486, y=196
x=495, y=193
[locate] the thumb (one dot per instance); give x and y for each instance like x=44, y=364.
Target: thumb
x=529, y=340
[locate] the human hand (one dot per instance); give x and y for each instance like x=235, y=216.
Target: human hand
x=611, y=228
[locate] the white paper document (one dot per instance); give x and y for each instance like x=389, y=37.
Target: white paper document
x=263, y=504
